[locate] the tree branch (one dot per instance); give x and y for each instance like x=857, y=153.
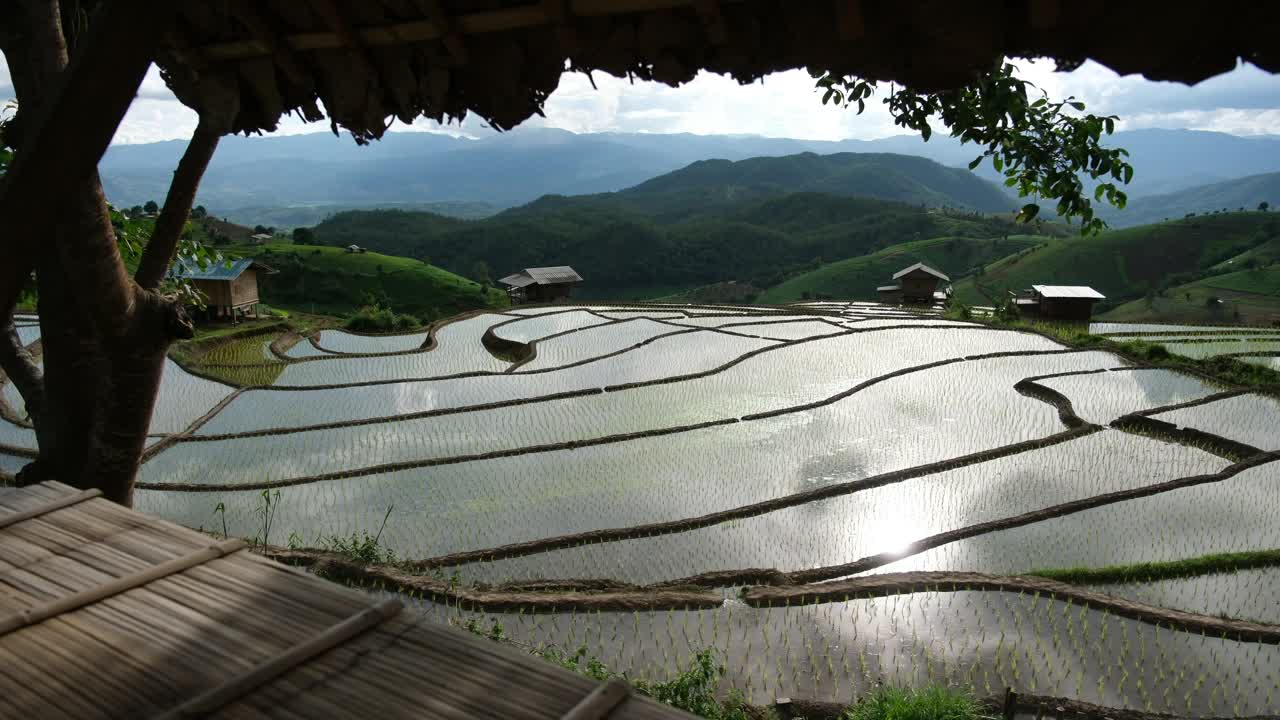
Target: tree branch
x=177, y=206
x=56, y=164
x=22, y=370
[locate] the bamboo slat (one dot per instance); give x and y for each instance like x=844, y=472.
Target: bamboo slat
x=71, y=602
x=105, y=612
x=601, y=702
x=67, y=501
x=233, y=689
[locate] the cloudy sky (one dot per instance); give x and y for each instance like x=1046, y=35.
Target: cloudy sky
x=1243, y=102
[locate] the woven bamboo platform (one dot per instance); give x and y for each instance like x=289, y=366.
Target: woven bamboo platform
x=106, y=612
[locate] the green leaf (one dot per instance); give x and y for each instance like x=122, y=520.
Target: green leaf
x=925, y=131
x=976, y=162
x=1027, y=213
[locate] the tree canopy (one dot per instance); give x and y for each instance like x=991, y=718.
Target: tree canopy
x=1041, y=146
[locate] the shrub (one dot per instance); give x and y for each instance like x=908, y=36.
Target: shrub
x=371, y=318
x=931, y=703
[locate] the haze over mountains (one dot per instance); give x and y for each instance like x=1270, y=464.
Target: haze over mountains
x=298, y=180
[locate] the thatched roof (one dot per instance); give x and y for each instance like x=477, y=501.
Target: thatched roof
x=247, y=62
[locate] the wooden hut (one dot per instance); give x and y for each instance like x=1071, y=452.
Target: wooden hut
x=544, y=284
x=1070, y=303
x=916, y=284
x=228, y=289
x=260, y=238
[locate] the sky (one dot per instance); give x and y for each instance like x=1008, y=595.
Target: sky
x=1245, y=101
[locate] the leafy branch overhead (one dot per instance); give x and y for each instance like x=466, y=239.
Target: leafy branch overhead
x=1039, y=145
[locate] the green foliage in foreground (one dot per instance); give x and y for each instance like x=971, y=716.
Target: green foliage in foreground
x=696, y=689
x=359, y=546
x=930, y=703
x=1150, y=571
x=1042, y=147
x=693, y=690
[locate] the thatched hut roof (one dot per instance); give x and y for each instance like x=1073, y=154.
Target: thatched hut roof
x=247, y=62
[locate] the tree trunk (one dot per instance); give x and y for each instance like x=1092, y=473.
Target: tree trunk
x=21, y=368
x=74, y=366
x=104, y=336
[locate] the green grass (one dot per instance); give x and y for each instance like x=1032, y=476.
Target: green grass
x=1125, y=264
x=333, y=281
x=1228, y=371
x=1248, y=297
x=930, y=703
x=1259, y=280
x=857, y=278
x=1150, y=571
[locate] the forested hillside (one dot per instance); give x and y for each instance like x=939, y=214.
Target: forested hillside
x=1149, y=261
x=756, y=221
x=857, y=278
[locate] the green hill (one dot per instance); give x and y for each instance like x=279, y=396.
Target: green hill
x=857, y=278
x=1130, y=263
x=628, y=255
x=756, y=221
x=1245, y=297
x=882, y=176
x=333, y=281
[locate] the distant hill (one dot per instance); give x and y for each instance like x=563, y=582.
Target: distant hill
x=857, y=278
x=884, y=176
x=333, y=281
x=1246, y=192
x=516, y=167
x=289, y=217
x=1128, y=264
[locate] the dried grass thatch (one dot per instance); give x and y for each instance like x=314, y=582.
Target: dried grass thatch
x=247, y=62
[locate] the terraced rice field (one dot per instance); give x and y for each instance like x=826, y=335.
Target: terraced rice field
x=831, y=495
x=1251, y=344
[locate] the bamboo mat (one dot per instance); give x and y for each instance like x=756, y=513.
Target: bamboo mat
x=106, y=612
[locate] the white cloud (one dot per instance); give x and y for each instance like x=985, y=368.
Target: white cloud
x=1244, y=102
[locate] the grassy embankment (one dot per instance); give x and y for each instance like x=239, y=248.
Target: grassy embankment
x=332, y=281
x=1152, y=273
x=1225, y=370
x=1167, y=570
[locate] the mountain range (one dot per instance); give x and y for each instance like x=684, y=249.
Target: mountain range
x=258, y=180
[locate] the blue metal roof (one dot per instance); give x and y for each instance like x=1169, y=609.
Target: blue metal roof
x=213, y=270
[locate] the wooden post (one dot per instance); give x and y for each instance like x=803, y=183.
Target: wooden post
x=1010, y=703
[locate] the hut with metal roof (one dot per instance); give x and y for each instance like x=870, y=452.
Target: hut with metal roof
x=1071, y=303
x=228, y=288
x=543, y=284
x=916, y=284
